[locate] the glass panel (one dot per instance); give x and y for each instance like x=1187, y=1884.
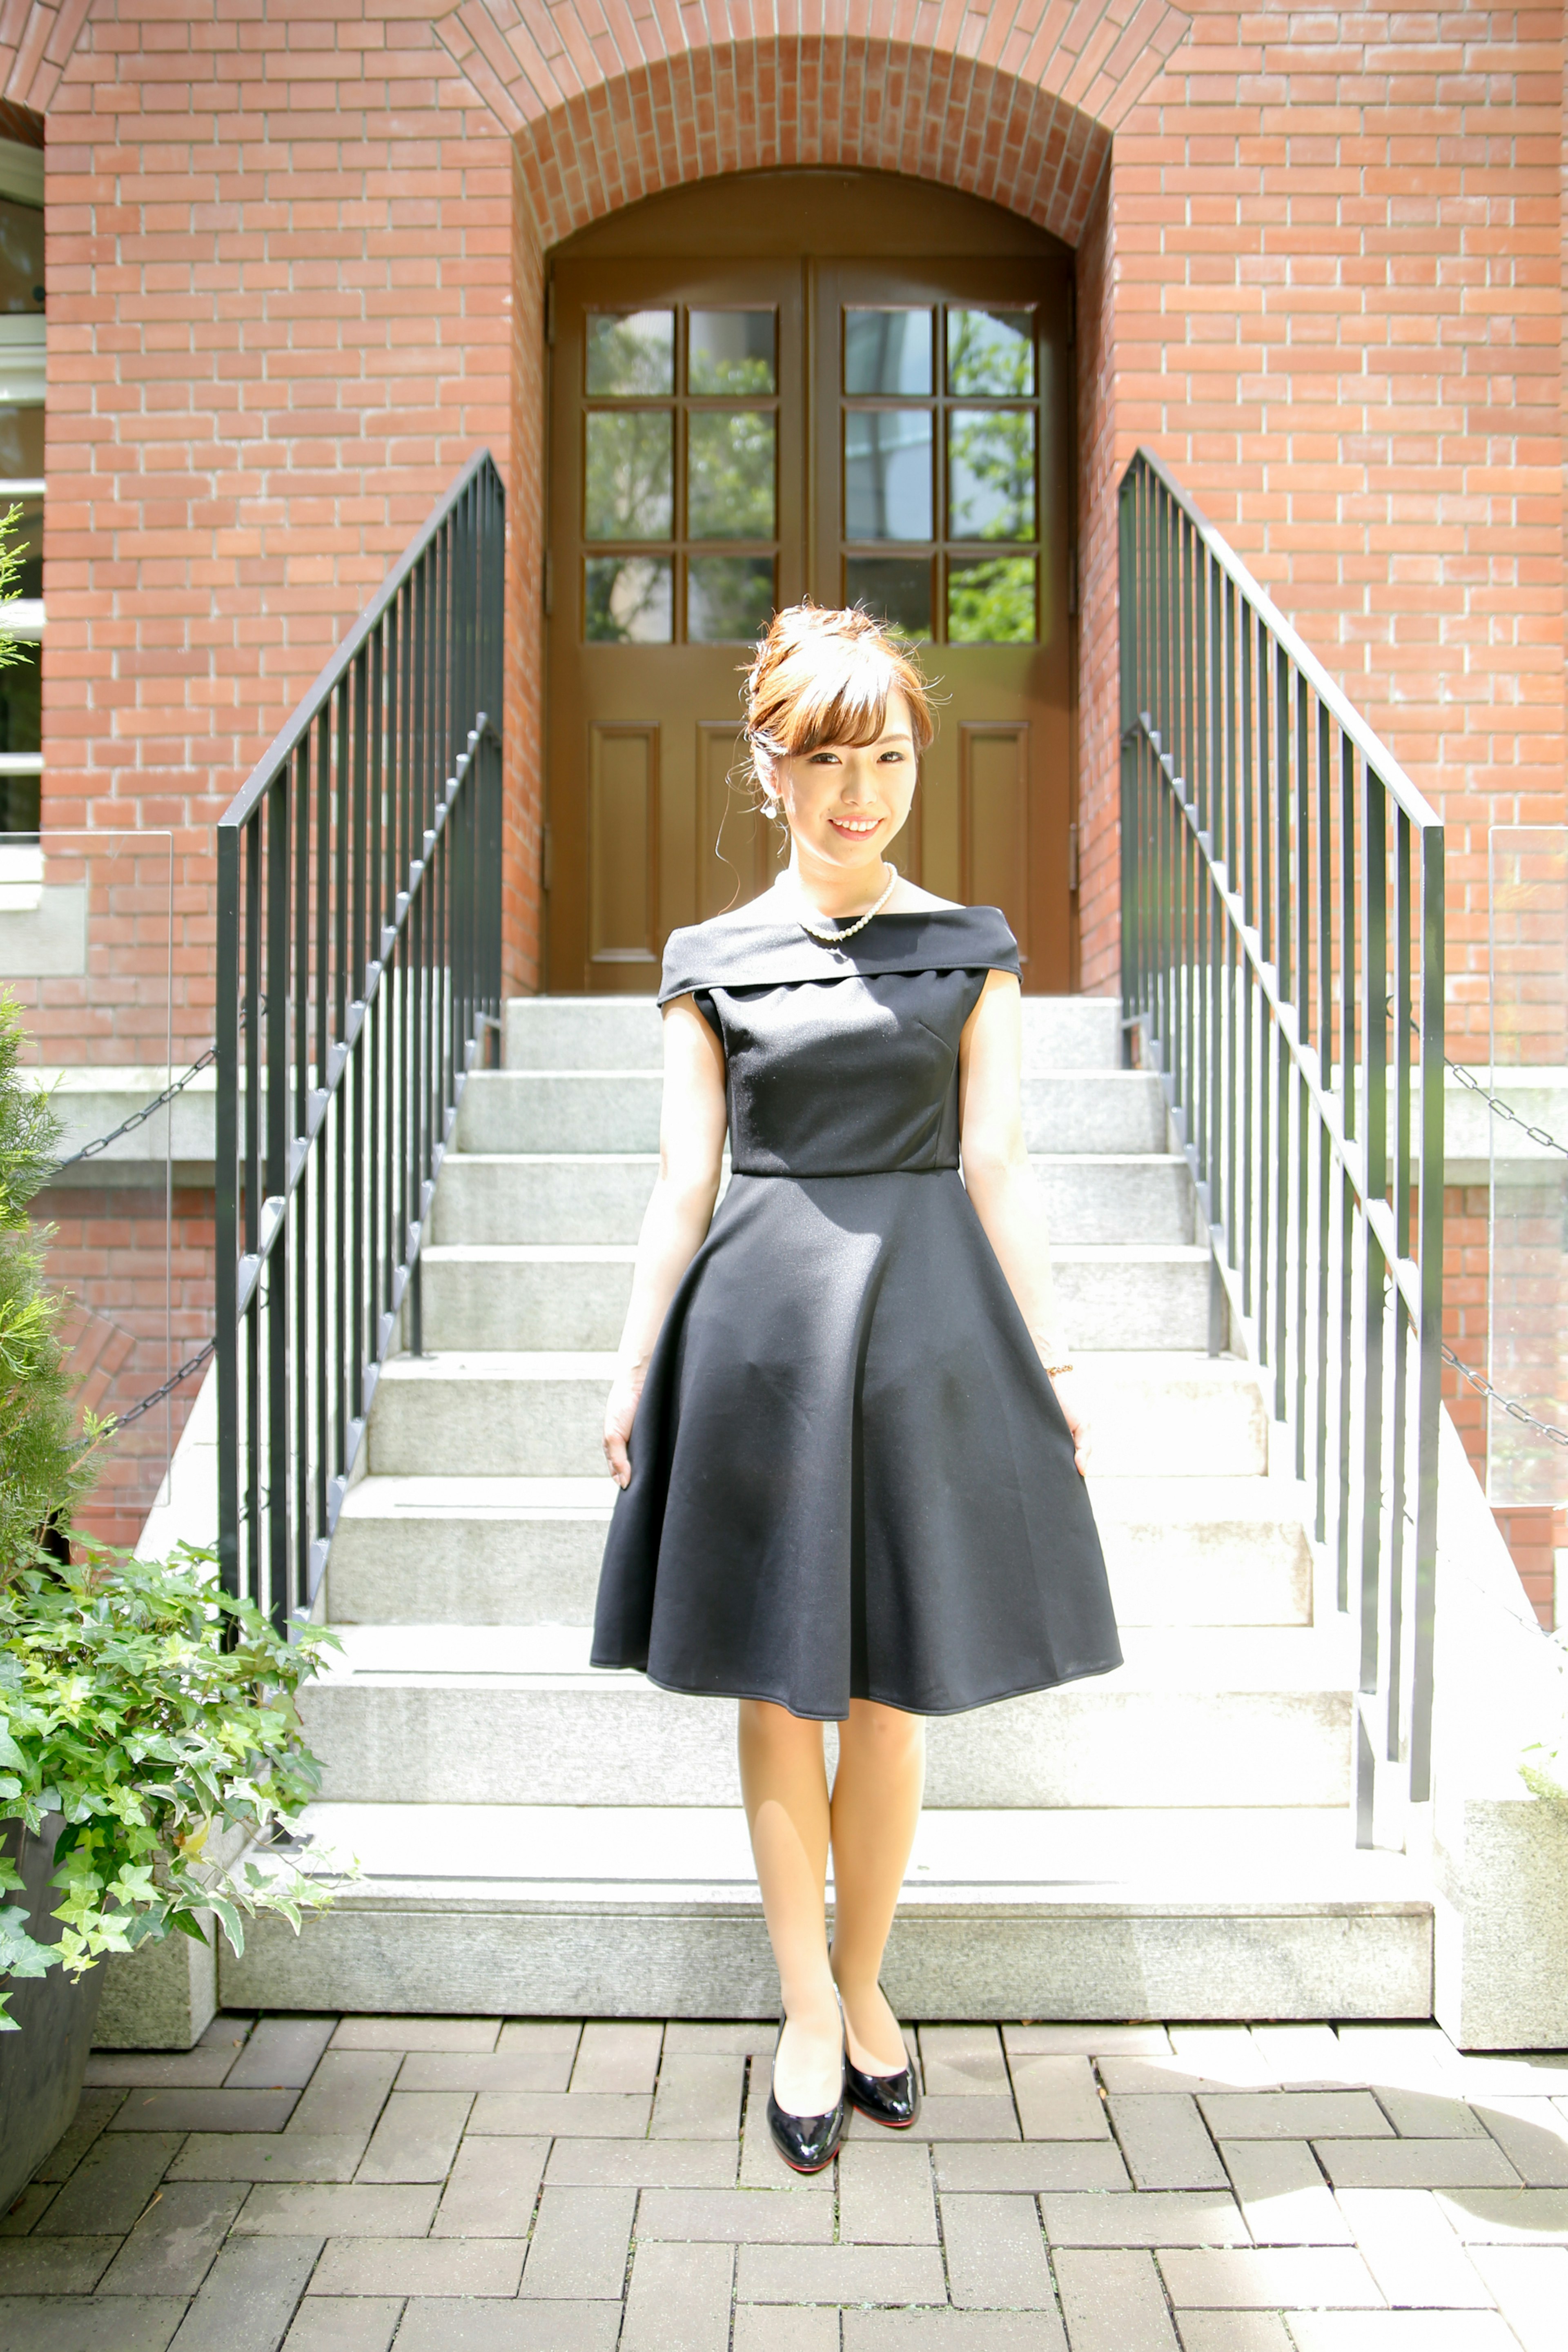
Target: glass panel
x=990, y=473
x=629, y=492
x=887, y=351
x=19, y=734
x=992, y=604
x=896, y=588
x=28, y=539
x=730, y=488
x=991, y=351
x=730, y=351
x=627, y=599
x=21, y=444
x=631, y=353
x=21, y=259
x=886, y=473
x=729, y=598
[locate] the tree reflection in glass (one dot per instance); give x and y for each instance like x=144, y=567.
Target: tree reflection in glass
x=628, y=491
x=990, y=473
x=730, y=462
x=729, y=352
x=993, y=603
x=626, y=600
x=991, y=353
x=631, y=353
x=729, y=598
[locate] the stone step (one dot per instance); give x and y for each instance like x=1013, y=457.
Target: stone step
x=617, y=1110
x=515, y=1714
x=1095, y=1200
x=541, y=1415
x=623, y=1032
x=526, y=1552
x=540, y=1910
x=549, y=1295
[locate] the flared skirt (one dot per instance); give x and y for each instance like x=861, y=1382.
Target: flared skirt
x=851, y=1477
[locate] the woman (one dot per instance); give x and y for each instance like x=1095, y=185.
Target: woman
x=846, y=1430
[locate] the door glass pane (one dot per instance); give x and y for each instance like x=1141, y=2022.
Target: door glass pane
x=992, y=604
x=730, y=351
x=628, y=487
x=887, y=351
x=729, y=487
x=626, y=600
x=21, y=259
x=991, y=351
x=729, y=598
x=631, y=353
x=886, y=473
x=990, y=473
x=22, y=445
x=895, y=588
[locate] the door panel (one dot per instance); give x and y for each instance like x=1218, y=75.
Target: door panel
x=729, y=434
x=994, y=809
x=623, y=846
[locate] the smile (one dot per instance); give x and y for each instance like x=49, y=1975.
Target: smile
x=857, y=825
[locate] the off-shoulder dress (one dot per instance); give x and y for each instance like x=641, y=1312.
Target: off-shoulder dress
x=850, y=1478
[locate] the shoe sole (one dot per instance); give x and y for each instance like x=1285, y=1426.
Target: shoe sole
x=873, y=2117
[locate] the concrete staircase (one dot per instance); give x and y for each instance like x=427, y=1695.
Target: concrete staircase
x=1171, y=1840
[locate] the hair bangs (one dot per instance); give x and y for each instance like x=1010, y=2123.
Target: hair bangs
x=844, y=702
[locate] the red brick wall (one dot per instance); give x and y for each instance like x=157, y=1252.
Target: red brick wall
x=1338, y=317
x=143, y=1285
x=279, y=251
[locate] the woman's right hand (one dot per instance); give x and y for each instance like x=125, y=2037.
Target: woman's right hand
x=619, y=1414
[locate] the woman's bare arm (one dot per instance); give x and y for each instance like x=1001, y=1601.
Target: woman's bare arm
x=1001, y=1184
x=676, y=1220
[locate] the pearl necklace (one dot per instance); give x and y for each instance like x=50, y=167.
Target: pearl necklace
x=831, y=939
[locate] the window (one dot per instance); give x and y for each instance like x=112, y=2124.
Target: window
x=940, y=453
x=22, y=472
x=680, y=476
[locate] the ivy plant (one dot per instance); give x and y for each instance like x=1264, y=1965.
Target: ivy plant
x=157, y=1714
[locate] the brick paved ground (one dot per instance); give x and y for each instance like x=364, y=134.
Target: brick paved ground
x=474, y=2184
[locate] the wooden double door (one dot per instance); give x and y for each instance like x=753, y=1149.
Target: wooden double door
x=745, y=409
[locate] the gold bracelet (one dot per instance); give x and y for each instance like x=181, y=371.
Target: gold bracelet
x=1054, y=1369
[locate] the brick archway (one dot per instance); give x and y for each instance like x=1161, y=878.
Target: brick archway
x=1023, y=115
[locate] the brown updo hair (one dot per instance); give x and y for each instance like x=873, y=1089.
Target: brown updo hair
x=825, y=677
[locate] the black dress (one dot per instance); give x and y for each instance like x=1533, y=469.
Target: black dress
x=850, y=1475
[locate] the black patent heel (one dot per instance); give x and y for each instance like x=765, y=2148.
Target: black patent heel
x=892, y=2100
x=808, y=2143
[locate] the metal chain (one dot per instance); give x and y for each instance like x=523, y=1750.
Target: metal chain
x=192, y=1364
x=1468, y=1078
x=140, y=1117
x=1504, y=1110
x=1515, y=1410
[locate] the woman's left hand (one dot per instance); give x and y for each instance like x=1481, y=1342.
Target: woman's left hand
x=1070, y=1397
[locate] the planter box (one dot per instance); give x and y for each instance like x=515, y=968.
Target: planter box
x=40, y=2066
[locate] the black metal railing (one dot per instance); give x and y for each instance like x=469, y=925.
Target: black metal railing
x=358, y=972
x=1282, y=961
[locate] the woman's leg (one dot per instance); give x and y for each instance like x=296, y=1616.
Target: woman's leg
x=875, y=1806
x=783, y=1782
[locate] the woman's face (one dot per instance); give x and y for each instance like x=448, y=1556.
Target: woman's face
x=845, y=802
